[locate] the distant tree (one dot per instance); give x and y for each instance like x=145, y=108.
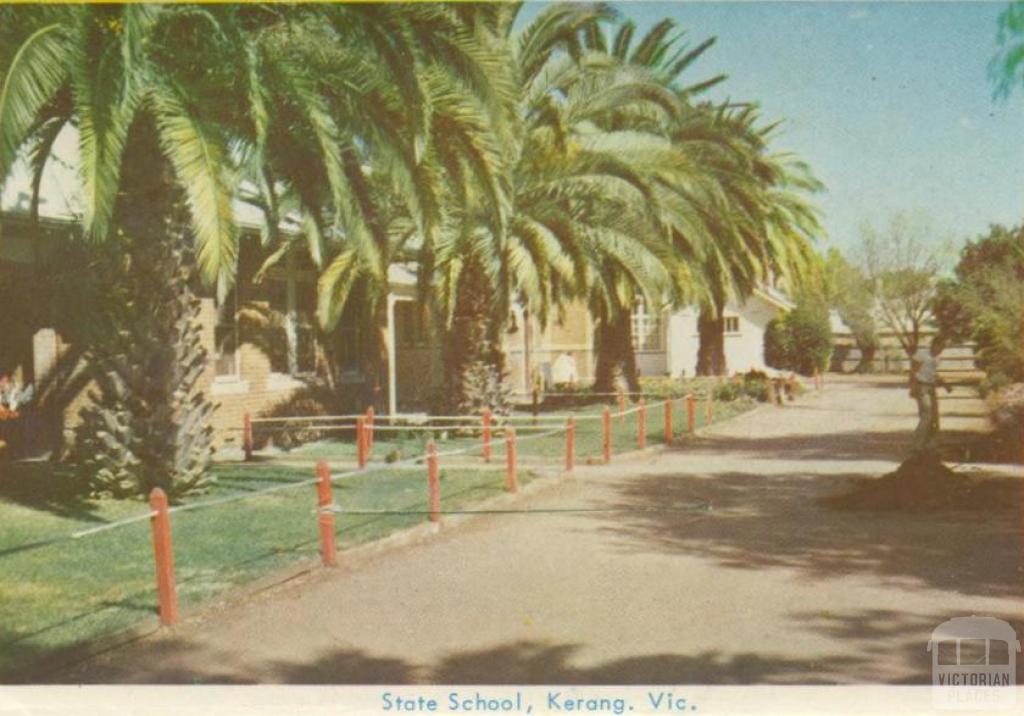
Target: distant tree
x=848, y=291
x=901, y=263
x=984, y=303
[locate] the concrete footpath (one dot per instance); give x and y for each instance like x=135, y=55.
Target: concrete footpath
x=766, y=586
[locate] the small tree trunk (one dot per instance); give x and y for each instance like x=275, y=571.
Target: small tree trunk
x=867, y=358
x=711, y=352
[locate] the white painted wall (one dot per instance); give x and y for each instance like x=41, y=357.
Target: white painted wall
x=744, y=349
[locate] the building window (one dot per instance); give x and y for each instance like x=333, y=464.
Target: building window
x=732, y=324
x=292, y=344
x=225, y=338
x=647, y=329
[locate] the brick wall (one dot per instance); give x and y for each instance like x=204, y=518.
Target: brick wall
x=255, y=388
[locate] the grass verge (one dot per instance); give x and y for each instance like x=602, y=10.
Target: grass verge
x=69, y=593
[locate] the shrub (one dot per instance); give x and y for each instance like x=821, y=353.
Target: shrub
x=661, y=387
x=1008, y=407
x=1008, y=415
x=756, y=384
x=727, y=392
x=799, y=341
x=310, y=401
x=778, y=344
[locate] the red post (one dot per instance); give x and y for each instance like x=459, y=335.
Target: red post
x=641, y=425
x=328, y=551
x=511, y=480
x=606, y=425
x=709, y=410
x=486, y=420
x=433, y=483
x=668, y=422
x=369, y=430
x=691, y=413
x=163, y=555
x=247, y=436
x=570, y=444
x=361, y=440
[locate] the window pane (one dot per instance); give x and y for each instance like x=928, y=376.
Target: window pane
x=276, y=339
x=972, y=651
x=646, y=329
x=998, y=652
x=225, y=340
x=947, y=653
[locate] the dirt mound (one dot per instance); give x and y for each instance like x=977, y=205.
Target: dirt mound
x=924, y=484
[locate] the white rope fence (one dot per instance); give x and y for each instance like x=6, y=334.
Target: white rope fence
x=494, y=429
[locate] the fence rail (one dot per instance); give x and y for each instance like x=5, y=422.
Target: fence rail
x=496, y=434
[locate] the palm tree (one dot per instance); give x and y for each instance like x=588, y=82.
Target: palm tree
x=187, y=102
x=739, y=211
x=766, y=235
x=417, y=141
x=152, y=170
x=583, y=221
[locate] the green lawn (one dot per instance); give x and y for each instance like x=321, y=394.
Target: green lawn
x=67, y=593
x=64, y=594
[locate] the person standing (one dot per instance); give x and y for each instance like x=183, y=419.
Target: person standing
x=924, y=383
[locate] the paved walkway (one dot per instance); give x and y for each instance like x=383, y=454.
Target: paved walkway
x=766, y=587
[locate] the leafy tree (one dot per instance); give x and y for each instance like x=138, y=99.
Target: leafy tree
x=984, y=303
x=902, y=263
x=1007, y=68
x=848, y=290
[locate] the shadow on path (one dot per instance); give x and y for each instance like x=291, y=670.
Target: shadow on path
x=764, y=523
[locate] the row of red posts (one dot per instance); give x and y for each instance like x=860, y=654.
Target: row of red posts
x=364, y=437
x=161, y=525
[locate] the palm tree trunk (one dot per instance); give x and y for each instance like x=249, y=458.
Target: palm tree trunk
x=473, y=355
x=613, y=343
x=711, y=352
x=150, y=424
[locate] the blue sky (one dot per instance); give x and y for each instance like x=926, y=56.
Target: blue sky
x=890, y=103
